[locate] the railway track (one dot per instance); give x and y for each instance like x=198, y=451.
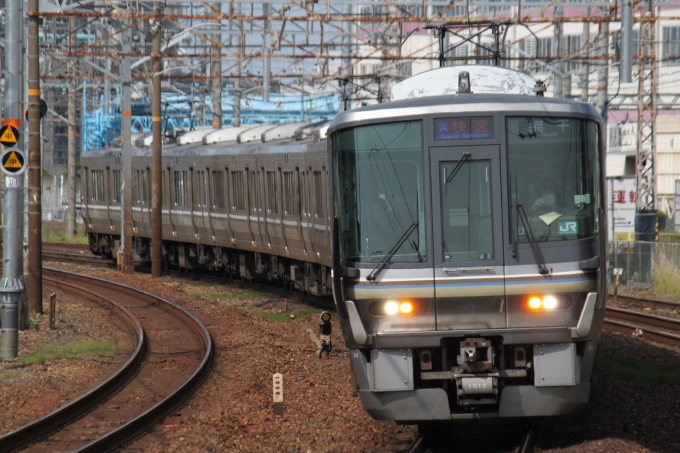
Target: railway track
x=496, y=437
x=173, y=354
x=633, y=323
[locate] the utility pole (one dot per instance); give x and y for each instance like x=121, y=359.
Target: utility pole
x=126, y=208
x=216, y=70
x=71, y=214
x=34, y=165
x=156, y=154
x=11, y=287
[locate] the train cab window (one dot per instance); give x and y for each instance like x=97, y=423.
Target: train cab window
x=218, y=190
x=98, y=185
x=181, y=195
x=117, y=185
x=466, y=211
x=379, y=191
x=290, y=205
x=553, y=171
x=237, y=191
x=272, y=192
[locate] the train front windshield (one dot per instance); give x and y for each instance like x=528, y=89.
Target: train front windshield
x=553, y=166
x=379, y=192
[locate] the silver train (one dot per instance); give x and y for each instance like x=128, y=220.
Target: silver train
x=255, y=210
x=468, y=239
x=468, y=233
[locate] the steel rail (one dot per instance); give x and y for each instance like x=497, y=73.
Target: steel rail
x=50, y=255
x=70, y=411
x=134, y=427
x=641, y=324
x=646, y=299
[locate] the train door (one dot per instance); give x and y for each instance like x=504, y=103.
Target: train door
x=467, y=224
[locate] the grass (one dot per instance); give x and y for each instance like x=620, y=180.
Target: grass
x=638, y=370
x=56, y=235
x=666, y=279
x=71, y=351
x=282, y=317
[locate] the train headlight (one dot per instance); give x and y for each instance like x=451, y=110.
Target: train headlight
x=391, y=308
x=550, y=302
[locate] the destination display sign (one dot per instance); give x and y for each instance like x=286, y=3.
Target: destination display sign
x=464, y=128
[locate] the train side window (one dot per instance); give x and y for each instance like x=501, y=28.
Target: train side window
x=218, y=190
x=181, y=196
x=145, y=186
x=201, y=189
x=97, y=180
x=163, y=201
x=290, y=207
x=304, y=193
x=318, y=195
x=116, y=186
x=272, y=205
x=238, y=199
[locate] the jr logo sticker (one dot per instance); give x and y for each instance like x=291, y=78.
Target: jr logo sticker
x=568, y=227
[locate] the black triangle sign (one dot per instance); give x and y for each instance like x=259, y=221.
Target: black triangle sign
x=9, y=135
x=12, y=161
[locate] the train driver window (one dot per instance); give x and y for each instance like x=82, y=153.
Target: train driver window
x=553, y=171
x=379, y=192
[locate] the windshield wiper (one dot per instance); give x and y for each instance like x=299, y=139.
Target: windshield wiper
x=391, y=253
x=466, y=156
x=542, y=269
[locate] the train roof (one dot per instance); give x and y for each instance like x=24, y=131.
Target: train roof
x=462, y=103
x=287, y=146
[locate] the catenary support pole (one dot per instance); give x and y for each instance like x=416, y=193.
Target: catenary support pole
x=266, y=51
x=603, y=72
x=34, y=165
x=238, y=44
x=585, y=66
x=126, y=209
x=11, y=287
x=216, y=70
x=626, y=62
x=156, y=153
x=71, y=213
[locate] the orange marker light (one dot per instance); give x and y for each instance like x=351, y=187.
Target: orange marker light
x=406, y=308
x=535, y=303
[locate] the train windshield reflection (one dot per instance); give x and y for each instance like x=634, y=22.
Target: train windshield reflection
x=379, y=193
x=553, y=169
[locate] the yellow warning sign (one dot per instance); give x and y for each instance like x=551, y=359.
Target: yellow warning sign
x=13, y=162
x=9, y=135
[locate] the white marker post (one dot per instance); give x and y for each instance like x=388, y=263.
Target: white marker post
x=278, y=394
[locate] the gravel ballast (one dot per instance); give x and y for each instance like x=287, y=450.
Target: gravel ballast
x=232, y=411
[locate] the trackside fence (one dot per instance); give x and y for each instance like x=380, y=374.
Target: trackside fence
x=639, y=261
